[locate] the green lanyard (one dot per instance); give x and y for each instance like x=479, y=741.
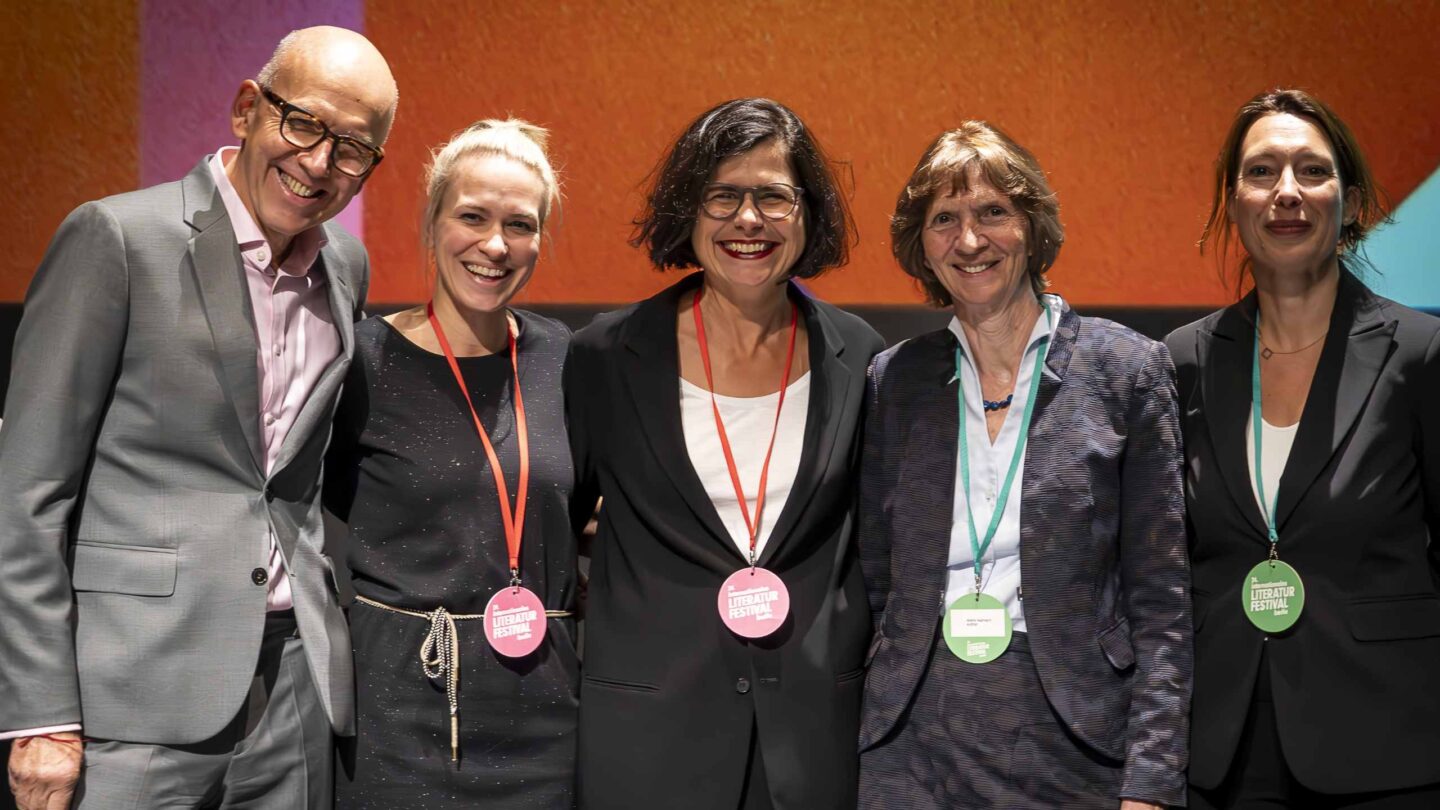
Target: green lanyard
x=1267, y=507
x=977, y=547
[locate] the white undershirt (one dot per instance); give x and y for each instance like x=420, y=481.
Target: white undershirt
x=748, y=425
x=989, y=463
x=1275, y=448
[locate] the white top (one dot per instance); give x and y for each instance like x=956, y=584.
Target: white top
x=989, y=463
x=748, y=424
x=1276, y=444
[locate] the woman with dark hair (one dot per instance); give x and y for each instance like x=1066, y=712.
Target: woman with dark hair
x=1312, y=450
x=719, y=419
x=1021, y=520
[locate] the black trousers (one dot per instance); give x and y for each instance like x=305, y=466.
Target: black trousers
x=1260, y=779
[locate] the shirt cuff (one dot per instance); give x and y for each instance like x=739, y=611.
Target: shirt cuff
x=35, y=732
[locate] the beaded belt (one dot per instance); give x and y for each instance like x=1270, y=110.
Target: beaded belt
x=440, y=654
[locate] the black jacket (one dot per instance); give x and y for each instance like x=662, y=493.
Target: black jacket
x=1358, y=511
x=669, y=695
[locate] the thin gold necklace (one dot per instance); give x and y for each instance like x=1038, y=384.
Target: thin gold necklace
x=1266, y=352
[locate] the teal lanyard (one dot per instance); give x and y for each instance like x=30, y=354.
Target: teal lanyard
x=1267, y=507
x=977, y=547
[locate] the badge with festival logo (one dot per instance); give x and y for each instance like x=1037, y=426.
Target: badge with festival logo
x=753, y=602
x=1273, y=596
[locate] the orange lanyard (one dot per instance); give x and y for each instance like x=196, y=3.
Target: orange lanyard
x=513, y=522
x=752, y=525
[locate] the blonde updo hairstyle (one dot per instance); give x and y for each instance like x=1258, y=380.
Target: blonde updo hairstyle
x=512, y=138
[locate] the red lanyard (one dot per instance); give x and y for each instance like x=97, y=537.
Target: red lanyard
x=513, y=522
x=752, y=526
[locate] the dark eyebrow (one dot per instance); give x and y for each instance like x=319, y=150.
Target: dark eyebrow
x=1303, y=153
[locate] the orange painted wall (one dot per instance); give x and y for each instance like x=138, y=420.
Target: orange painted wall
x=1125, y=104
x=67, y=111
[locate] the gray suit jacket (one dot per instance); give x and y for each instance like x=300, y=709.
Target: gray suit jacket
x=134, y=506
x=1102, y=541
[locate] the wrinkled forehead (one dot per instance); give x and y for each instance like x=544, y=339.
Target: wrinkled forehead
x=349, y=101
x=969, y=176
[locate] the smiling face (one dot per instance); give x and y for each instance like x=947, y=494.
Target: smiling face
x=486, y=234
x=1289, y=206
x=288, y=190
x=976, y=242
x=749, y=250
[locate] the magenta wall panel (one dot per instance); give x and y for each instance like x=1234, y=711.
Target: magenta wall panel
x=194, y=54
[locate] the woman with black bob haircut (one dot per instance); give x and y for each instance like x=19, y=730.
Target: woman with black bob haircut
x=727, y=622
x=1312, y=475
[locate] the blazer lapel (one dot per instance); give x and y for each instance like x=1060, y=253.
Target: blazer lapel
x=317, y=408
x=1037, y=543
x=924, y=507
x=830, y=385
x=1356, y=347
x=220, y=278
x=651, y=364
x=1226, y=357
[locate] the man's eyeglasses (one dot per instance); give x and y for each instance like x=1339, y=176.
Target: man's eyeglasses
x=302, y=129
x=774, y=201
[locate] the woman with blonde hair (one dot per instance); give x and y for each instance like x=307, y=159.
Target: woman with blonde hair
x=451, y=464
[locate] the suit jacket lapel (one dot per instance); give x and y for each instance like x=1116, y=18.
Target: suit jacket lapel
x=317, y=411
x=1356, y=347
x=830, y=385
x=220, y=278
x=1226, y=356
x=925, y=506
x=651, y=364
x=1037, y=543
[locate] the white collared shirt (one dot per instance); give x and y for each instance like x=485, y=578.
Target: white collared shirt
x=989, y=463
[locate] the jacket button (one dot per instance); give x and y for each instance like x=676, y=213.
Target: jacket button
x=269, y=494
x=742, y=686
x=259, y=576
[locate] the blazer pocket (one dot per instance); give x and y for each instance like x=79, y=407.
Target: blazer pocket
x=1395, y=618
x=852, y=675
x=115, y=568
x=624, y=686
x=1115, y=643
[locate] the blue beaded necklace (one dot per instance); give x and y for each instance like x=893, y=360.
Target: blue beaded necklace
x=997, y=404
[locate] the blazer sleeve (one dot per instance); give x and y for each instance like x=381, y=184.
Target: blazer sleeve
x=586, y=494
x=1429, y=449
x=878, y=465
x=67, y=354
x=342, y=457
x=1155, y=575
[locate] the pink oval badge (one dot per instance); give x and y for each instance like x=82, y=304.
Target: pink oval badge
x=515, y=622
x=753, y=603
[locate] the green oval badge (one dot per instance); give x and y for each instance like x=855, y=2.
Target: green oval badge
x=977, y=628
x=1273, y=596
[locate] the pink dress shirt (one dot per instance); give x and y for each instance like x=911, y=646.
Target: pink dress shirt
x=296, y=336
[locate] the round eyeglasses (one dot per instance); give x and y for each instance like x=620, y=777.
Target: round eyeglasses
x=302, y=128
x=774, y=201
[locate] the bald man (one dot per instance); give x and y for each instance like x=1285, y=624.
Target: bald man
x=163, y=585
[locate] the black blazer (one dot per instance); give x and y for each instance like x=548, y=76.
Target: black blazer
x=1102, y=541
x=1359, y=504
x=669, y=695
